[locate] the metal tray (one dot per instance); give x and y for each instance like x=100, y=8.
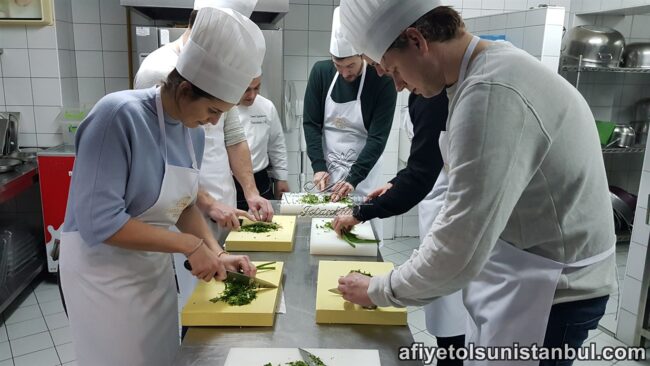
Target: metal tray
x=9, y=164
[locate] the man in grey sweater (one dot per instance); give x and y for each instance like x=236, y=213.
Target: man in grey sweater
x=526, y=228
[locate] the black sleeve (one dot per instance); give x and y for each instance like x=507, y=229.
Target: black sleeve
x=413, y=183
x=314, y=107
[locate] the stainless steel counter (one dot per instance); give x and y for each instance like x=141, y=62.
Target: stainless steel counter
x=60, y=150
x=14, y=182
x=296, y=328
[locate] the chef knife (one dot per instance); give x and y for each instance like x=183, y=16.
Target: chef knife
x=336, y=291
x=308, y=357
x=241, y=278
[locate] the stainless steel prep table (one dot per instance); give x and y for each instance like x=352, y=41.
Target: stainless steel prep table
x=296, y=328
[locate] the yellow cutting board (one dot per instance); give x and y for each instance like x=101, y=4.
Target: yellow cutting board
x=282, y=356
x=331, y=308
x=274, y=241
x=199, y=311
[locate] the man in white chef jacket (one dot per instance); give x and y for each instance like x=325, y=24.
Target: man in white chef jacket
x=526, y=227
x=263, y=129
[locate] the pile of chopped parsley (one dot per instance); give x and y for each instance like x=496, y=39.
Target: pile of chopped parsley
x=316, y=360
x=237, y=293
x=260, y=227
x=312, y=199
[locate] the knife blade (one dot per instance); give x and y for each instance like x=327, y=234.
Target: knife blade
x=335, y=291
x=309, y=358
x=240, y=277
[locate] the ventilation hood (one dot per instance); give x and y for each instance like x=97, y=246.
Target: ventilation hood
x=267, y=12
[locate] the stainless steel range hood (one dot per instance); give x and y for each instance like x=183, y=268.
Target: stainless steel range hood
x=267, y=12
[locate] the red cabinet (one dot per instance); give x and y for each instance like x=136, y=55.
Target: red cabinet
x=55, y=170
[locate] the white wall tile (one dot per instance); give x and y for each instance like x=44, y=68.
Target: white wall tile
x=296, y=43
x=116, y=84
x=70, y=91
x=41, y=37
x=552, y=40
x=498, y=21
x=15, y=63
x=410, y=226
x=320, y=17
x=46, y=119
x=297, y=18
x=392, y=145
x=482, y=24
x=26, y=124
x=319, y=43
x=13, y=37
x=636, y=261
x=533, y=38
x=491, y=12
x=389, y=228
x=466, y=14
x=626, y=327
x=314, y=59
x=630, y=295
x=63, y=10
x=2, y=94
x=515, y=4
x=85, y=11
x=91, y=90
x=640, y=26
x=321, y=2
x=114, y=37
x=295, y=68
x=536, y=17
x=516, y=20
x=389, y=163
x=457, y=4
x=47, y=91
x=44, y=63
x=644, y=190
x=111, y=12
x=27, y=140
x=515, y=36
x=493, y=4
x=49, y=139
x=116, y=64
x=552, y=62
x=89, y=64
x=87, y=37
x=21, y=91
x=65, y=69
x=472, y=4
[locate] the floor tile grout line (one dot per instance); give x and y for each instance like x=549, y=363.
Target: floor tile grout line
x=49, y=331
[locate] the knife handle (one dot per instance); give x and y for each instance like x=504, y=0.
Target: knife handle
x=187, y=265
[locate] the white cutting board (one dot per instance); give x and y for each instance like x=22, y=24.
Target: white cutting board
x=330, y=357
x=291, y=205
x=324, y=241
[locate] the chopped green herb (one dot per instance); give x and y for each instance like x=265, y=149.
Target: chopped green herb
x=260, y=227
x=312, y=199
x=237, y=293
x=351, y=238
x=265, y=265
x=361, y=272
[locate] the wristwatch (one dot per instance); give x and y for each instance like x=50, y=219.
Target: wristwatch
x=356, y=213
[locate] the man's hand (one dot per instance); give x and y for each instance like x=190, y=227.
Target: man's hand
x=344, y=223
x=354, y=288
x=321, y=180
x=379, y=191
x=341, y=190
x=281, y=186
x=260, y=207
x=227, y=216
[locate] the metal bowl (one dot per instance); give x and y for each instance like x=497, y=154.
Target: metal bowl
x=9, y=164
x=636, y=55
x=597, y=46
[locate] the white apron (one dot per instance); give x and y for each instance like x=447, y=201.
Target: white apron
x=344, y=136
x=511, y=298
x=216, y=176
x=122, y=303
x=445, y=316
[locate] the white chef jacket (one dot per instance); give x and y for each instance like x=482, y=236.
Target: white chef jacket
x=525, y=165
x=265, y=138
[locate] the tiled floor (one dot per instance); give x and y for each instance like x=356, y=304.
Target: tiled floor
x=34, y=330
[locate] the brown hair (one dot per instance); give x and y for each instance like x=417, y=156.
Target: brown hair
x=174, y=79
x=338, y=59
x=438, y=25
x=193, y=18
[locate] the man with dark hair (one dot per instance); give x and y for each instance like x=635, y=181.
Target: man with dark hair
x=347, y=121
x=526, y=227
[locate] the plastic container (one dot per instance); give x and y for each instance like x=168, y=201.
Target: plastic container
x=69, y=119
x=605, y=131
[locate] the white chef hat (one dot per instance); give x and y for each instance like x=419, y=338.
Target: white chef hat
x=258, y=39
x=373, y=25
x=218, y=57
x=244, y=7
x=339, y=45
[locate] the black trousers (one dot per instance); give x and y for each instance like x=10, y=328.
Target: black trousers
x=569, y=323
x=264, y=186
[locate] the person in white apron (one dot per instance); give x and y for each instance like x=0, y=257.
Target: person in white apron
x=338, y=134
x=526, y=225
x=116, y=271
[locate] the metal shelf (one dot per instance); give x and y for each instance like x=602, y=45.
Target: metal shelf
x=621, y=150
x=626, y=70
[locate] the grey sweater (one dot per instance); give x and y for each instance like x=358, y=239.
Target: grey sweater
x=524, y=165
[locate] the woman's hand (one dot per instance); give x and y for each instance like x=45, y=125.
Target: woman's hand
x=239, y=263
x=206, y=264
